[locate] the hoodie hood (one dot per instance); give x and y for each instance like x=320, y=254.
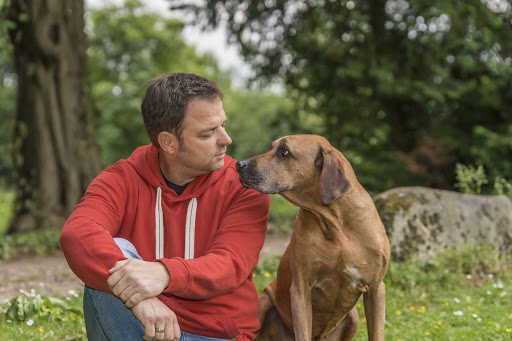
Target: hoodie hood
x=144, y=161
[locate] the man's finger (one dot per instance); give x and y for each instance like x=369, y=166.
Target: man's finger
x=119, y=287
x=169, y=332
x=133, y=300
x=177, y=331
x=117, y=266
x=150, y=331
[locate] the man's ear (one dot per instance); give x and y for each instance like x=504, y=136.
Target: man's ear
x=333, y=183
x=168, y=142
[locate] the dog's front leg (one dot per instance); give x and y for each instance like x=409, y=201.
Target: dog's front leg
x=375, y=310
x=301, y=310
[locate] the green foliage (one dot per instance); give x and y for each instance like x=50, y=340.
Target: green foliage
x=40, y=242
x=43, y=318
x=8, y=81
x=265, y=272
x=6, y=209
x=129, y=46
x=469, y=179
x=384, y=74
x=22, y=308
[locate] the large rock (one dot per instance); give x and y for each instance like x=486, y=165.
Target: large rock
x=423, y=221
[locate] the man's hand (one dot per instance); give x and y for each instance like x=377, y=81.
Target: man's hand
x=155, y=315
x=134, y=280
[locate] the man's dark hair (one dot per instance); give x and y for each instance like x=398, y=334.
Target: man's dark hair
x=166, y=102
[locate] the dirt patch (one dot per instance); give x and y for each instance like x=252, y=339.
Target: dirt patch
x=51, y=275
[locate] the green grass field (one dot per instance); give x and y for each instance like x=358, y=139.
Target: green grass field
x=462, y=295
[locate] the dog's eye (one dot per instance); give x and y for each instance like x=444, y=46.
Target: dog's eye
x=283, y=152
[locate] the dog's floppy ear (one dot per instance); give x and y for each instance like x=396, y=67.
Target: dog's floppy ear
x=333, y=183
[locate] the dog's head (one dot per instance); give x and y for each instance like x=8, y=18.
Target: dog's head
x=297, y=163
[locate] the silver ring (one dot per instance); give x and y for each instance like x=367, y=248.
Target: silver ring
x=160, y=330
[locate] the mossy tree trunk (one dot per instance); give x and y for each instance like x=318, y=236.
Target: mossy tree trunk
x=55, y=156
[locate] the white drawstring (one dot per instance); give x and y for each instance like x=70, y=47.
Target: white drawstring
x=190, y=229
x=159, y=221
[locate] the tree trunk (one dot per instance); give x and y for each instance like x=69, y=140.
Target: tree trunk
x=55, y=156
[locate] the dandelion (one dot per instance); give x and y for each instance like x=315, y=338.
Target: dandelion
x=253, y=275
x=427, y=333
x=267, y=274
x=436, y=327
x=508, y=330
x=440, y=322
x=41, y=330
x=411, y=307
x=422, y=309
x=398, y=312
x=364, y=319
x=30, y=322
x=445, y=303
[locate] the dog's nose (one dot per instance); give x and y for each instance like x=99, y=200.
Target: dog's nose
x=241, y=165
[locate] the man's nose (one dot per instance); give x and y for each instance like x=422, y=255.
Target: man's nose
x=225, y=140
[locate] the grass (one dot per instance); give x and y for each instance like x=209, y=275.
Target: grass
x=462, y=295
x=43, y=318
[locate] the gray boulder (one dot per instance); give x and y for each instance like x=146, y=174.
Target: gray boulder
x=423, y=221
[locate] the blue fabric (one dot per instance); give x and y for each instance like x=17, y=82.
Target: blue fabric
x=108, y=319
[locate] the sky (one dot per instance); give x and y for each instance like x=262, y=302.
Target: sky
x=204, y=42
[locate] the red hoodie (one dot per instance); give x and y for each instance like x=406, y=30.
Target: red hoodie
x=209, y=238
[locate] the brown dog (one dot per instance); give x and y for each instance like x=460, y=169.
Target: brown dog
x=338, y=250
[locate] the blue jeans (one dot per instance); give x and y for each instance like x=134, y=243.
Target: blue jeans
x=108, y=319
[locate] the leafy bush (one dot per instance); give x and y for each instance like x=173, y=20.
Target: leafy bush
x=41, y=242
x=469, y=179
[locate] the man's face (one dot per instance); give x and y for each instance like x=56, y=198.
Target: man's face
x=204, y=138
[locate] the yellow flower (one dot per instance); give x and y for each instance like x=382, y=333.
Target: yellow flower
x=445, y=303
x=427, y=333
x=422, y=310
x=253, y=275
x=398, y=312
x=41, y=330
x=364, y=319
x=267, y=274
x=440, y=322
x=508, y=330
x=411, y=307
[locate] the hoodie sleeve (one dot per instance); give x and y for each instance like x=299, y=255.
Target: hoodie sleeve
x=232, y=256
x=87, y=236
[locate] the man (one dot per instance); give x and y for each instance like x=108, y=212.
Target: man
x=166, y=240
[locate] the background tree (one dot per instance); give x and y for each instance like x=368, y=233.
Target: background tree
x=54, y=152
x=402, y=86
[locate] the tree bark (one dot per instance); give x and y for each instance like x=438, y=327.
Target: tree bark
x=55, y=156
